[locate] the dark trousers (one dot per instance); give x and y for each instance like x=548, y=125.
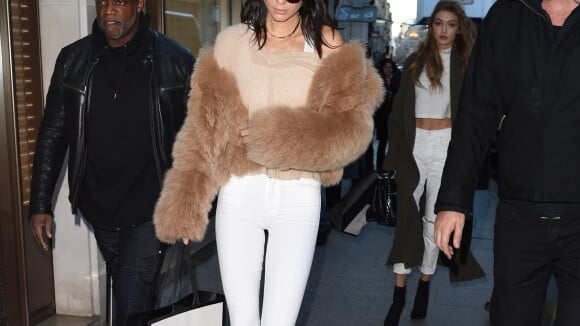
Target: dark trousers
x=133, y=257
x=532, y=243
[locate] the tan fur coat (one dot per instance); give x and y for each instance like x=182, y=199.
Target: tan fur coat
x=332, y=130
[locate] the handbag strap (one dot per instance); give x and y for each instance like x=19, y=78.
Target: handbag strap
x=190, y=274
x=175, y=253
x=179, y=261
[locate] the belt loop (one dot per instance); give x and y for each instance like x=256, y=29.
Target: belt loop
x=550, y=218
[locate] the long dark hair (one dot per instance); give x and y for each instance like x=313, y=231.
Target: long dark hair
x=428, y=56
x=313, y=16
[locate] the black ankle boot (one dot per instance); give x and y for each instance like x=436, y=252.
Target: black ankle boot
x=392, y=318
x=421, y=301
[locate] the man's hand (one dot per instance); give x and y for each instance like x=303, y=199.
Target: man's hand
x=39, y=222
x=448, y=222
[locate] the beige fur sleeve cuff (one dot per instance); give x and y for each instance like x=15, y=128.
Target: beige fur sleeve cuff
x=181, y=211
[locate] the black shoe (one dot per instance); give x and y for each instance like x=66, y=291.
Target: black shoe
x=392, y=318
x=421, y=301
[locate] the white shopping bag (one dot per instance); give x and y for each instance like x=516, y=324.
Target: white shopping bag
x=209, y=315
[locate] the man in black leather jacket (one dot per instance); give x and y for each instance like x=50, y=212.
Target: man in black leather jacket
x=521, y=90
x=116, y=100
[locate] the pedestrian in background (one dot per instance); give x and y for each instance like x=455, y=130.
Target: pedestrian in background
x=391, y=78
x=419, y=132
x=278, y=107
x=521, y=90
x=115, y=102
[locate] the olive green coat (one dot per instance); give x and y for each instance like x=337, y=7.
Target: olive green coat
x=408, y=245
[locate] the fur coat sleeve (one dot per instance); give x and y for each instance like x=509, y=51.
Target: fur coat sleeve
x=207, y=150
x=331, y=131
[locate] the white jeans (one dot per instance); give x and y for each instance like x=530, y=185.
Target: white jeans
x=430, y=152
x=290, y=211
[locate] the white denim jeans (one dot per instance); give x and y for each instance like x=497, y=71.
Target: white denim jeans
x=290, y=211
x=430, y=152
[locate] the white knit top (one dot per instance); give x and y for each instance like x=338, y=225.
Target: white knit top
x=434, y=103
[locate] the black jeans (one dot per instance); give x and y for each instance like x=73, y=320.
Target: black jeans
x=133, y=256
x=532, y=243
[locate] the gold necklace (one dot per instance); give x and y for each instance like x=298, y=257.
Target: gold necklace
x=288, y=35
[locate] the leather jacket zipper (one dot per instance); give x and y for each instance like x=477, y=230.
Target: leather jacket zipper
x=81, y=123
x=81, y=91
x=163, y=89
x=154, y=136
x=534, y=10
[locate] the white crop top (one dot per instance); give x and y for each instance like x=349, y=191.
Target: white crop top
x=434, y=103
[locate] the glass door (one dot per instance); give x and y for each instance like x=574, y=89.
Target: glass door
x=194, y=23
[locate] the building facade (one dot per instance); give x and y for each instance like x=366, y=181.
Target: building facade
x=411, y=35
x=367, y=21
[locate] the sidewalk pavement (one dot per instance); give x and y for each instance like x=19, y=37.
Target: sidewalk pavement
x=350, y=285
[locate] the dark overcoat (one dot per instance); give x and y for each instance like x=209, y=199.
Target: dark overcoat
x=408, y=245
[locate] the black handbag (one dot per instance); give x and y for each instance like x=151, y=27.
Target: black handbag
x=196, y=308
x=383, y=206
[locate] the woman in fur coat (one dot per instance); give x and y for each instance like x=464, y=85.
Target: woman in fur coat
x=277, y=107
x=419, y=132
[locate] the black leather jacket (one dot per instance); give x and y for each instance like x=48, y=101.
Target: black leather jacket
x=68, y=102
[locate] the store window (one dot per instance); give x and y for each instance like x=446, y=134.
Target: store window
x=195, y=23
